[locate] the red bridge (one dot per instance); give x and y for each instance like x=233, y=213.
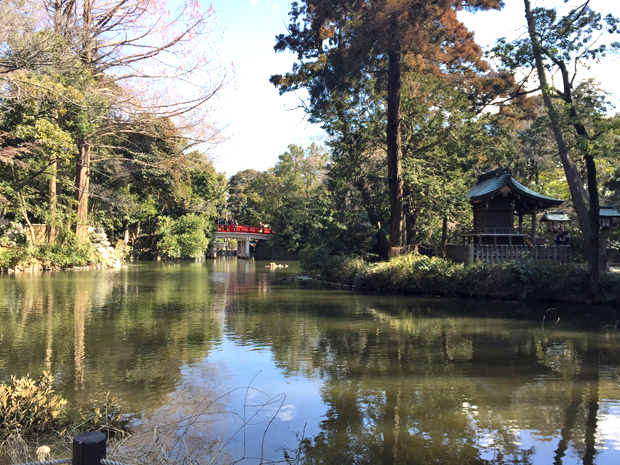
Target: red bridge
x=231, y=228
x=244, y=235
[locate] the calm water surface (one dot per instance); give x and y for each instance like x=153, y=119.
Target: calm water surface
x=241, y=364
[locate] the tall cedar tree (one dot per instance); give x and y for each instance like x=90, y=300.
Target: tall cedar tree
x=338, y=41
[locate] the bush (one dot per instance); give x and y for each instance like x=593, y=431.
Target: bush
x=67, y=251
x=8, y=258
x=30, y=415
x=185, y=237
x=342, y=268
x=108, y=417
x=12, y=235
x=415, y=273
x=28, y=406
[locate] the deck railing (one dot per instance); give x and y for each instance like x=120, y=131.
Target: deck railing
x=468, y=253
x=494, y=231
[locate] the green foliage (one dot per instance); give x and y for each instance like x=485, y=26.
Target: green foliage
x=154, y=174
x=29, y=406
x=341, y=268
x=12, y=235
x=287, y=197
x=67, y=251
x=420, y=274
x=8, y=258
x=184, y=237
x=142, y=165
x=245, y=195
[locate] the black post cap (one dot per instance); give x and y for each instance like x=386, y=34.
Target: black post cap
x=89, y=448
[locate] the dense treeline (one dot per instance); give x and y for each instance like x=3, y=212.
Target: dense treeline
x=96, y=131
x=93, y=133
x=411, y=109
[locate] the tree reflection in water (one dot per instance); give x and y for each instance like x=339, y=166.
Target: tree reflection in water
x=437, y=391
x=386, y=380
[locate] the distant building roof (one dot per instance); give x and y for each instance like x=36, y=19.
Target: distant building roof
x=557, y=216
x=498, y=181
x=609, y=211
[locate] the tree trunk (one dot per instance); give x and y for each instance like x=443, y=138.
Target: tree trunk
x=382, y=242
x=595, y=238
x=394, y=153
x=82, y=182
x=126, y=231
x=52, y=201
x=575, y=184
x=410, y=220
x=22, y=205
x=594, y=242
x=59, y=183
x=82, y=167
x=444, y=236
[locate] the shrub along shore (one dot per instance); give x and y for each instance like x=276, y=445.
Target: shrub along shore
x=419, y=274
x=36, y=423
x=66, y=252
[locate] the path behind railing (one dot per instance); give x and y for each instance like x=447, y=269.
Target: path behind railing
x=468, y=253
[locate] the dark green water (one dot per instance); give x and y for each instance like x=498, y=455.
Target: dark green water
x=241, y=364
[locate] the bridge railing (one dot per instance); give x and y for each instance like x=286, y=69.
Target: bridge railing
x=243, y=229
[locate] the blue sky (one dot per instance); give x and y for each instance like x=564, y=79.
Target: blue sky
x=260, y=124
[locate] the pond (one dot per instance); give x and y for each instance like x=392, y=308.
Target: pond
x=231, y=362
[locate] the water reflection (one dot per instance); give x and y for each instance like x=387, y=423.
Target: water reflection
x=363, y=378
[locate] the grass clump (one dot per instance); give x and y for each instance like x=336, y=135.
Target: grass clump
x=29, y=406
x=33, y=417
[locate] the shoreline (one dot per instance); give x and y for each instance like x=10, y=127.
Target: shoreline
x=436, y=277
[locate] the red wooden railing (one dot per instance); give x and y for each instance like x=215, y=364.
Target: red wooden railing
x=243, y=229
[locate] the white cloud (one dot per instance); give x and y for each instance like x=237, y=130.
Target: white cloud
x=275, y=6
x=253, y=2
x=287, y=412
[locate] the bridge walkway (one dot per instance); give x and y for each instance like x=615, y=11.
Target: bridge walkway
x=244, y=234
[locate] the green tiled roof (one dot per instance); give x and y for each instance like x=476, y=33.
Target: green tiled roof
x=487, y=187
x=555, y=216
x=609, y=211
x=491, y=183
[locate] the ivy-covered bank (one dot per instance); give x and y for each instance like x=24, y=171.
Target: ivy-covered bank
x=419, y=274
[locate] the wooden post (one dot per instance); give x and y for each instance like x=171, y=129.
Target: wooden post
x=89, y=448
x=603, y=248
